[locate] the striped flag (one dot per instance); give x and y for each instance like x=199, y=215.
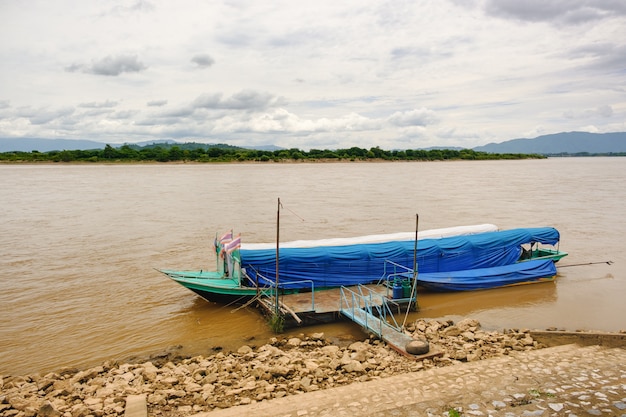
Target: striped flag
x=233, y=244
x=226, y=237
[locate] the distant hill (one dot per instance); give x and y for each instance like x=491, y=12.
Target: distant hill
x=271, y=148
x=558, y=143
x=47, y=145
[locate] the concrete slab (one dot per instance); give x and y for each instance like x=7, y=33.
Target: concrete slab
x=136, y=406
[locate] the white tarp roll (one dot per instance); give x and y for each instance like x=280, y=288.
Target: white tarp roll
x=390, y=237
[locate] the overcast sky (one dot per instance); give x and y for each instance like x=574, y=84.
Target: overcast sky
x=328, y=74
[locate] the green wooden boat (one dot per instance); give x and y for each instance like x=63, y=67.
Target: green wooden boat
x=214, y=286
x=234, y=282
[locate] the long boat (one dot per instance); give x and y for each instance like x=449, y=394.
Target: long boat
x=245, y=271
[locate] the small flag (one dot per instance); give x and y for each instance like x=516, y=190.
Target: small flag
x=233, y=244
x=226, y=237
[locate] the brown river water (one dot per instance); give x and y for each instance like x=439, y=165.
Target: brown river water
x=79, y=244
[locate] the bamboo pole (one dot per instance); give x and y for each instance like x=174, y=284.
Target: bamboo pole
x=277, y=252
x=414, y=286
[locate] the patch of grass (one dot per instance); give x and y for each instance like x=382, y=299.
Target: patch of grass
x=277, y=323
x=453, y=412
x=538, y=393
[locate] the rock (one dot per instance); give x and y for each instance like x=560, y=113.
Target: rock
x=47, y=410
x=244, y=350
x=451, y=331
x=294, y=342
x=149, y=371
x=556, y=406
x=474, y=355
x=468, y=324
x=468, y=335
x=359, y=355
x=498, y=404
x=353, y=366
x=330, y=350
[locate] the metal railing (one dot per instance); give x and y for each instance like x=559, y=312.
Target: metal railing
x=376, y=314
x=397, y=271
x=269, y=290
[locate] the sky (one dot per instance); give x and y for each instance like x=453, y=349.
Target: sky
x=400, y=74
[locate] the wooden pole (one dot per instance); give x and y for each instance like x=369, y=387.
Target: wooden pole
x=414, y=287
x=277, y=250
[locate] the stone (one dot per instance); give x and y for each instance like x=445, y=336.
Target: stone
x=353, y=366
x=451, y=331
x=498, y=404
x=244, y=350
x=468, y=324
x=294, y=342
x=556, y=406
x=47, y=410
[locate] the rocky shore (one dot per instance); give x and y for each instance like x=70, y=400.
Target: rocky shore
x=177, y=386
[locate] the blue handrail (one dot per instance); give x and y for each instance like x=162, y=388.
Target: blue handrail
x=351, y=301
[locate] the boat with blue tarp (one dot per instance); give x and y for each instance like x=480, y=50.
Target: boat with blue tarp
x=463, y=254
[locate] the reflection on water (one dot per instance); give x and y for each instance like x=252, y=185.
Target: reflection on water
x=80, y=244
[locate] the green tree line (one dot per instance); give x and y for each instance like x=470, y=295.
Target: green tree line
x=186, y=153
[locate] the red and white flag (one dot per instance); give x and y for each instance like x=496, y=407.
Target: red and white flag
x=226, y=237
x=233, y=244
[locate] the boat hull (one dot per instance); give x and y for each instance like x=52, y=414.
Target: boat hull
x=216, y=288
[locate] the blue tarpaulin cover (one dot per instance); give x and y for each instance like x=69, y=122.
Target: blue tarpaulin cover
x=333, y=266
x=484, y=278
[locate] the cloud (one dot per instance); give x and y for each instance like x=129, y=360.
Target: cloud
x=110, y=66
x=208, y=101
x=604, y=56
x=137, y=6
x=156, y=103
x=99, y=105
x=415, y=117
x=43, y=116
x=604, y=111
x=124, y=114
x=566, y=12
x=249, y=100
x=203, y=60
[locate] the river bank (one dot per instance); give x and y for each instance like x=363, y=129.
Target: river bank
x=176, y=385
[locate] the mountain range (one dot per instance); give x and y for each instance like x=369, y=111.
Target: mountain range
x=554, y=144
x=559, y=143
